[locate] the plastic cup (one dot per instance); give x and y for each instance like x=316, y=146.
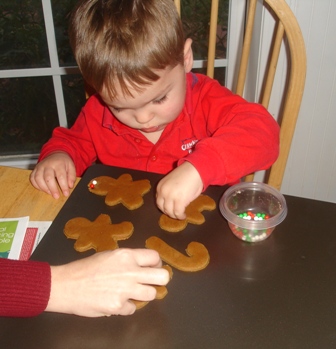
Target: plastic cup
x=253, y=210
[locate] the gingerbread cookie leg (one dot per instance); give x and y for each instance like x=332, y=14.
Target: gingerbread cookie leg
x=193, y=214
x=198, y=254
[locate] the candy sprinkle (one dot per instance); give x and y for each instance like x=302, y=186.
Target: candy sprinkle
x=253, y=216
x=93, y=183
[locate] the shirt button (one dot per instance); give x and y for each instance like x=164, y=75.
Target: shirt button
x=137, y=140
x=154, y=157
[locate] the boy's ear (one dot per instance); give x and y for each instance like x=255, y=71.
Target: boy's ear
x=188, y=56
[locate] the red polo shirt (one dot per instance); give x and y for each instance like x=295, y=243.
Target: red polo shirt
x=221, y=134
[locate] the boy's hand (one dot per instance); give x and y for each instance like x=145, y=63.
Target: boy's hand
x=177, y=189
x=104, y=283
x=55, y=171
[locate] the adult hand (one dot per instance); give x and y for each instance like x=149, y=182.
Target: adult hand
x=55, y=171
x=177, y=189
x=105, y=283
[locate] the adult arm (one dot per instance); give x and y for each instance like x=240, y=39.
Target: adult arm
x=25, y=287
x=105, y=283
x=100, y=285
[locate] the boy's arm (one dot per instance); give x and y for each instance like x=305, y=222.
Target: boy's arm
x=177, y=189
x=69, y=152
x=235, y=138
x=242, y=137
x=77, y=141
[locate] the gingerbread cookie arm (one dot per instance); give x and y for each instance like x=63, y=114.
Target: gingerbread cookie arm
x=198, y=254
x=194, y=209
x=172, y=225
x=74, y=227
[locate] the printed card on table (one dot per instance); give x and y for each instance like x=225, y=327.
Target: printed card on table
x=12, y=233
x=19, y=237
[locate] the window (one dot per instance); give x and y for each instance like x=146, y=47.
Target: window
x=40, y=84
x=195, y=16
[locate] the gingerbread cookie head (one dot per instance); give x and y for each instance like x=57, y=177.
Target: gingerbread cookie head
x=122, y=190
x=99, y=235
x=193, y=215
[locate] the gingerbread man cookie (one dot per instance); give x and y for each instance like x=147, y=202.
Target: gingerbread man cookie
x=193, y=213
x=198, y=254
x=100, y=234
x=122, y=190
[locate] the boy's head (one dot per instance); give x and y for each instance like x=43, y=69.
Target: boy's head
x=123, y=42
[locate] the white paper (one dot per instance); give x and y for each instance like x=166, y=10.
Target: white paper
x=42, y=227
x=19, y=236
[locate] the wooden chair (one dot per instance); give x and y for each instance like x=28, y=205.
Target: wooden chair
x=287, y=32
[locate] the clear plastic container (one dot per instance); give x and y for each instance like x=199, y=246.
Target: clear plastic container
x=253, y=210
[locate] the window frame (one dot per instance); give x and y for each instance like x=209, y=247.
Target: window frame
x=236, y=15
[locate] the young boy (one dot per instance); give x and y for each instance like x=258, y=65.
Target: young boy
x=150, y=112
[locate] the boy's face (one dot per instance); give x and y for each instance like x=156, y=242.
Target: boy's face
x=153, y=108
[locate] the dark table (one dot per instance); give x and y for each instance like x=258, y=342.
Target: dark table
x=278, y=293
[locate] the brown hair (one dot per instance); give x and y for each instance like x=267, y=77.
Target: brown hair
x=125, y=41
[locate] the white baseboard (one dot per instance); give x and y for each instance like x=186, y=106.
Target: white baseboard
x=20, y=161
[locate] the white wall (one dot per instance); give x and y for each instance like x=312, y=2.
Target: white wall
x=311, y=168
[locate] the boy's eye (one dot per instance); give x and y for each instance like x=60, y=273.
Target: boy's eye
x=161, y=100
x=117, y=110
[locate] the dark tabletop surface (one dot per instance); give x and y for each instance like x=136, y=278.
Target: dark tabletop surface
x=278, y=293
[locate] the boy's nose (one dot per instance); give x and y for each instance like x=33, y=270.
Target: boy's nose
x=143, y=117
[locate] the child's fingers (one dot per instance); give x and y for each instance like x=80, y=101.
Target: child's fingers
x=179, y=210
x=71, y=179
x=71, y=174
x=33, y=180
x=53, y=187
x=172, y=208
x=42, y=181
x=159, y=203
x=66, y=178
x=63, y=184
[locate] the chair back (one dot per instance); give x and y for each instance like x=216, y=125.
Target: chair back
x=287, y=32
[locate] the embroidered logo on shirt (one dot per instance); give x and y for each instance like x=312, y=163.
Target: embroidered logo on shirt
x=188, y=144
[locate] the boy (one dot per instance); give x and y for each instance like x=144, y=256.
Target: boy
x=150, y=112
